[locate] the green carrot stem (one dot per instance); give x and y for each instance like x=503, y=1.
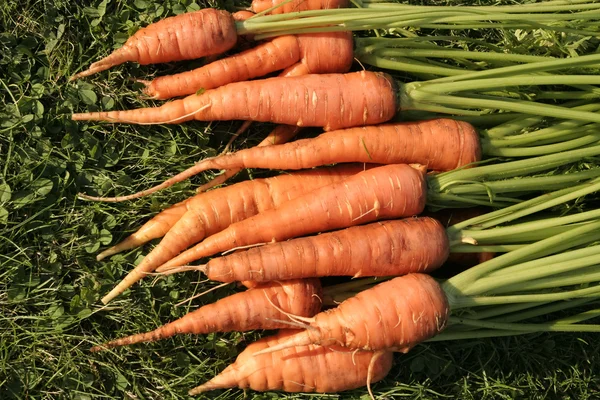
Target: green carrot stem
x=542, y=327
x=578, y=277
x=541, y=150
x=464, y=248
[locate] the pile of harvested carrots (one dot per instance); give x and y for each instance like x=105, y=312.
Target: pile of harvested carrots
x=366, y=213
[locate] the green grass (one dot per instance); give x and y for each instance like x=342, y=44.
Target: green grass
x=50, y=283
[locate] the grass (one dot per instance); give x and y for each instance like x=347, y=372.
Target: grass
x=50, y=283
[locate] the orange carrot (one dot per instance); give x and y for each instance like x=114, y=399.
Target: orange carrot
x=390, y=191
x=214, y=211
x=439, y=144
x=255, y=308
x=332, y=101
x=301, y=369
x=183, y=37
x=387, y=248
x=320, y=53
x=394, y=315
x=296, y=5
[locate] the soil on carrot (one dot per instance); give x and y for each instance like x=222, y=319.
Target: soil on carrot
x=51, y=284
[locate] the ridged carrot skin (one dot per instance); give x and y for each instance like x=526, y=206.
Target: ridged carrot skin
x=211, y=212
x=440, y=144
x=297, y=5
x=387, y=248
x=394, y=315
x=386, y=192
x=331, y=101
x=183, y=37
x=249, y=310
x=310, y=369
x=321, y=53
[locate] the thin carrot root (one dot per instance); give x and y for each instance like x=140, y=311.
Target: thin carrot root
x=295, y=296
x=308, y=369
x=296, y=5
x=281, y=134
x=183, y=268
x=190, y=35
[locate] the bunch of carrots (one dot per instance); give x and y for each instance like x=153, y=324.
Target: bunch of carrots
x=363, y=217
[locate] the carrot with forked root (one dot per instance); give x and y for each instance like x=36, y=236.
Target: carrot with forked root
x=387, y=248
x=256, y=308
x=312, y=53
x=215, y=211
x=301, y=369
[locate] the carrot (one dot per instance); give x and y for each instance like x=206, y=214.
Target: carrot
x=183, y=37
x=390, y=191
x=332, y=101
x=296, y=5
x=301, y=369
x=387, y=248
x=210, y=213
x=439, y=144
x=394, y=315
x=256, y=308
x=319, y=53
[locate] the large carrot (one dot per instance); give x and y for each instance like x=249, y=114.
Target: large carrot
x=256, y=308
x=387, y=248
x=386, y=192
x=183, y=37
x=318, y=54
x=332, y=101
x=300, y=369
x=296, y=5
x=394, y=315
x=439, y=144
x=217, y=210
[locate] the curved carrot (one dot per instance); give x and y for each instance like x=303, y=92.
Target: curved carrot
x=301, y=369
x=439, y=144
x=387, y=248
x=321, y=53
x=391, y=191
x=296, y=5
x=256, y=308
x=332, y=101
x=182, y=37
x=394, y=315
x=211, y=212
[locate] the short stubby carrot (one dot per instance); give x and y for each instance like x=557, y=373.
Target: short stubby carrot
x=385, y=192
x=439, y=144
x=393, y=315
x=319, y=53
x=256, y=308
x=296, y=5
x=331, y=101
x=387, y=248
x=183, y=37
x=310, y=369
x=211, y=212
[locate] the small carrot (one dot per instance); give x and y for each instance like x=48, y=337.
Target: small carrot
x=256, y=308
x=439, y=144
x=296, y=5
x=390, y=191
x=311, y=369
x=320, y=53
x=210, y=213
x=332, y=101
x=183, y=37
x=387, y=248
x=394, y=315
